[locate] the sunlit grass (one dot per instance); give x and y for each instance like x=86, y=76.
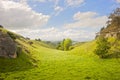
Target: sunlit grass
x=50, y=64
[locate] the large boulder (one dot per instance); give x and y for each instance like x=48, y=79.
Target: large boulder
x=7, y=46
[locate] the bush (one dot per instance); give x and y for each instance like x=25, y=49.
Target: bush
x=11, y=35
x=38, y=39
x=19, y=50
x=115, y=50
x=30, y=42
x=65, y=44
x=1, y=26
x=103, y=47
x=71, y=47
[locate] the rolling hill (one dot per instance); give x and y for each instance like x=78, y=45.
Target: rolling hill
x=37, y=62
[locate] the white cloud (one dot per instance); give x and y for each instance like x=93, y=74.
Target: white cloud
x=55, y=1
x=58, y=9
x=15, y=15
x=84, y=15
x=118, y=1
x=56, y=34
x=87, y=19
x=74, y=2
x=41, y=0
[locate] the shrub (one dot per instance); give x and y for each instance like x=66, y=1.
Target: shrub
x=71, y=47
x=103, y=47
x=1, y=26
x=65, y=44
x=19, y=50
x=11, y=35
x=115, y=50
x=30, y=42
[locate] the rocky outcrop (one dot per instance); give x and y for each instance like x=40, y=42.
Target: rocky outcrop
x=107, y=34
x=7, y=46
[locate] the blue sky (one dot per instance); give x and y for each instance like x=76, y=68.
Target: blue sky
x=56, y=19
x=103, y=7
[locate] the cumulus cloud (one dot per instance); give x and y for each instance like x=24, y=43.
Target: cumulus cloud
x=58, y=9
x=84, y=15
x=16, y=15
x=56, y=34
x=41, y=0
x=54, y=1
x=118, y=1
x=87, y=19
x=74, y=2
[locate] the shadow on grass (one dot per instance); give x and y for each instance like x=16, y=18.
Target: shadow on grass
x=22, y=63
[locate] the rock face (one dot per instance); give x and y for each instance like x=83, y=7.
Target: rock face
x=7, y=46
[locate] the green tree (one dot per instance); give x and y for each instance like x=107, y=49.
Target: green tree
x=67, y=44
x=103, y=47
x=61, y=45
x=114, y=20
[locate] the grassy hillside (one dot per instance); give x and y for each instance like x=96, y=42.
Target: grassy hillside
x=85, y=49
x=37, y=62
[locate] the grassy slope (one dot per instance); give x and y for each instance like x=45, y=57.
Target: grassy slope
x=85, y=49
x=50, y=64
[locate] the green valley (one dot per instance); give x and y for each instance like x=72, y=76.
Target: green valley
x=59, y=40
x=43, y=63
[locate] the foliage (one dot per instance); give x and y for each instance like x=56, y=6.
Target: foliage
x=114, y=18
x=110, y=47
x=30, y=42
x=12, y=35
x=102, y=28
x=71, y=47
x=38, y=39
x=1, y=26
x=103, y=47
x=65, y=45
x=27, y=38
x=113, y=25
x=115, y=49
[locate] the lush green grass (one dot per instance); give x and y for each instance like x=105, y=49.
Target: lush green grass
x=85, y=49
x=50, y=64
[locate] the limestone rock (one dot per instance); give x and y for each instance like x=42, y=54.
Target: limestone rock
x=7, y=46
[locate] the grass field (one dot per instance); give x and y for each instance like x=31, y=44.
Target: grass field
x=50, y=64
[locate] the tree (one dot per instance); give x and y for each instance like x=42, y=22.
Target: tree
x=103, y=47
x=61, y=45
x=113, y=28
x=65, y=44
x=13, y=36
x=114, y=19
x=38, y=39
x=1, y=26
x=102, y=29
